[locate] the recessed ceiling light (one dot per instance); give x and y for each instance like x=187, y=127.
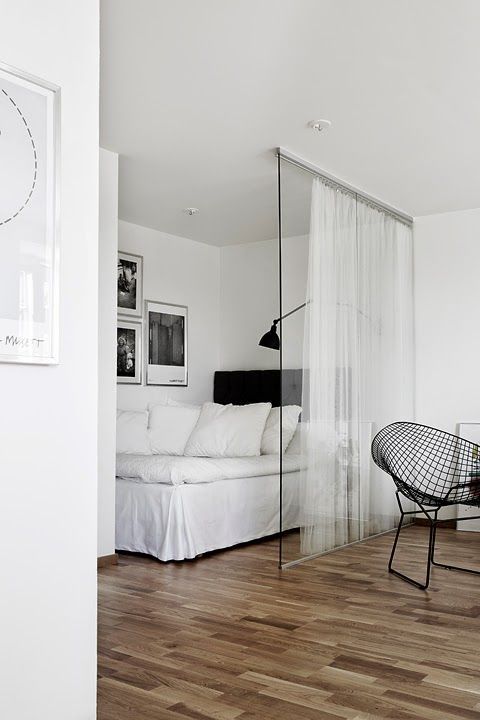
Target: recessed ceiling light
x=319, y=125
x=191, y=211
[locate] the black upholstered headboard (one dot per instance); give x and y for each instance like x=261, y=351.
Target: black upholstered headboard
x=242, y=387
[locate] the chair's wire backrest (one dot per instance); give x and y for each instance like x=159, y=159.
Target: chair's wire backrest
x=429, y=465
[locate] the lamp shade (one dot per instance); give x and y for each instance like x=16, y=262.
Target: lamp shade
x=271, y=339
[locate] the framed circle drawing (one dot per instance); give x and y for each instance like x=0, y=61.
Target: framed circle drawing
x=29, y=211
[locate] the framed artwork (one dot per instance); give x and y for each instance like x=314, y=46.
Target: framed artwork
x=166, y=344
x=129, y=352
x=469, y=431
x=129, y=284
x=29, y=211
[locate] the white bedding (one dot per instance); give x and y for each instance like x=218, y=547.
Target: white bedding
x=175, y=522
x=175, y=470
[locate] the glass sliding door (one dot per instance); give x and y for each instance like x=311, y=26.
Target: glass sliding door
x=295, y=222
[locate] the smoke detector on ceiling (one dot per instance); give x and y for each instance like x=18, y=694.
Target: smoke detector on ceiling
x=319, y=125
x=191, y=211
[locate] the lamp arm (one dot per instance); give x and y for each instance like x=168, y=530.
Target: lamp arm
x=291, y=312
x=275, y=322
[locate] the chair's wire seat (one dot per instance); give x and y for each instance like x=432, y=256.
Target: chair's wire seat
x=429, y=466
x=432, y=468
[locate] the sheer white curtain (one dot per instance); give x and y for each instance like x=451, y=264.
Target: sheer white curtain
x=358, y=368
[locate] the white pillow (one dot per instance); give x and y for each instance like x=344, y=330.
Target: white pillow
x=228, y=430
x=271, y=434
x=132, y=436
x=170, y=426
x=295, y=446
x=174, y=403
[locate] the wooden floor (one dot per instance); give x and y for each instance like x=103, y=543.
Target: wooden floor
x=229, y=636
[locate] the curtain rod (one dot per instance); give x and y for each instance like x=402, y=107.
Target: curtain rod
x=286, y=155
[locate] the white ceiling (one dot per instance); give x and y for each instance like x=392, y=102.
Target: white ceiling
x=196, y=94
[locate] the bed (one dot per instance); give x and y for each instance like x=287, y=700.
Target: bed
x=180, y=507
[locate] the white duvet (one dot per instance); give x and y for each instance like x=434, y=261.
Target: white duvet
x=175, y=470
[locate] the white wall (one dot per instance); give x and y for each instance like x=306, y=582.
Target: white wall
x=447, y=299
x=249, y=302
x=48, y=423
x=107, y=315
x=232, y=298
x=447, y=302
x=178, y=270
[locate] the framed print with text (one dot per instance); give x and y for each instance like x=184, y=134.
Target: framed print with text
x=166, y=344
x=29, y=211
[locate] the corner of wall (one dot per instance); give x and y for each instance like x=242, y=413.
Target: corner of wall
x=107, y=313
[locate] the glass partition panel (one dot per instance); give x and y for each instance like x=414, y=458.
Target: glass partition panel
x=295, y=194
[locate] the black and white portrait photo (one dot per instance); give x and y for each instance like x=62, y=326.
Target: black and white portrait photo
x=129, y=347
x=129, y=284
x=167, y=344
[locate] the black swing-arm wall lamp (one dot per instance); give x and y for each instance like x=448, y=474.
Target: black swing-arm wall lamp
x=271, y=339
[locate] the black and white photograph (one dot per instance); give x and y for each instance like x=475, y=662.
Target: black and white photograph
x=129, y=284
x=129, y=348
x=166, y=344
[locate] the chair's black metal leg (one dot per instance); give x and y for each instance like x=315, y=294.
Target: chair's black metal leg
x=449, y=567
x=431, y=545
x=397, y=535
x=456, y=567
x=432, y=516
x=434, y=538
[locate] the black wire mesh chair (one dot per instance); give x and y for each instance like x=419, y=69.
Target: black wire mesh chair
x=433, y=469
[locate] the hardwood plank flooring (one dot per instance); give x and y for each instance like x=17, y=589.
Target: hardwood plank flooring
x=230, y=636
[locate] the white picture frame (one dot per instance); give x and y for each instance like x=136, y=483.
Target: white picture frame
x=29, y=218
x=129, y=352
x=166, y=344
x=468, y=430
x=129, y=284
